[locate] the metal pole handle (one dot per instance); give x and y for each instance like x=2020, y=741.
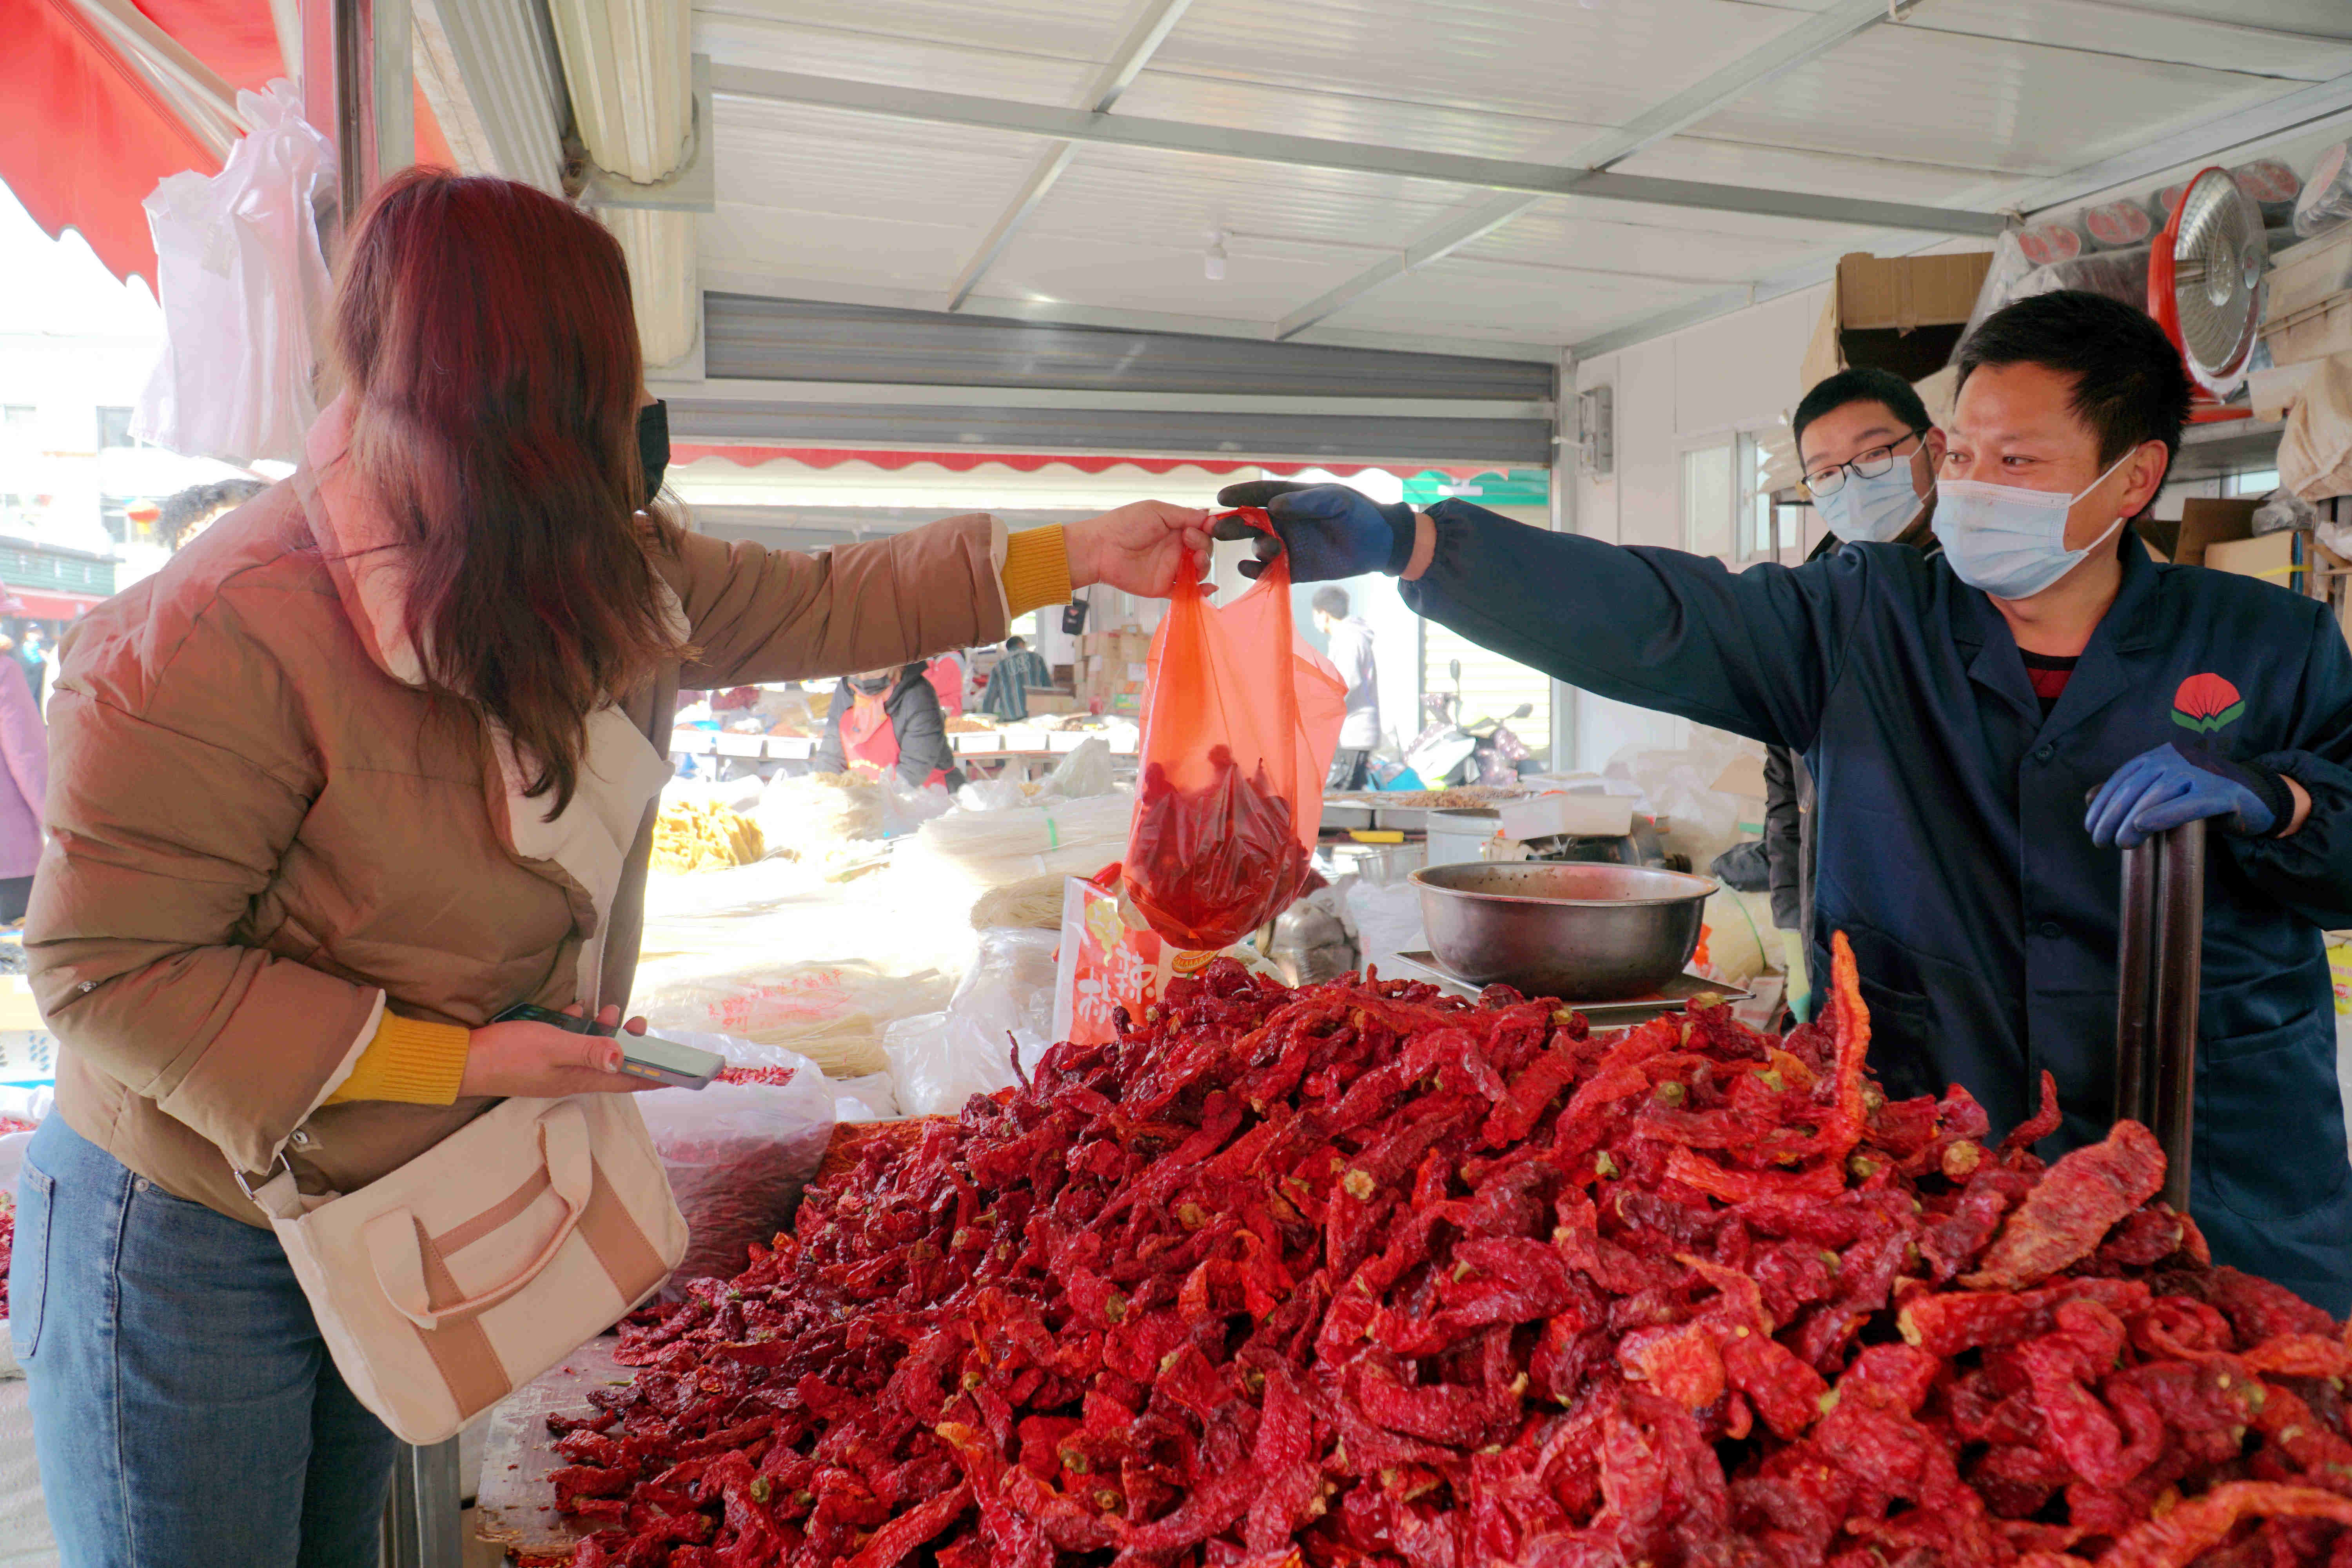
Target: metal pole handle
x=2159, y=965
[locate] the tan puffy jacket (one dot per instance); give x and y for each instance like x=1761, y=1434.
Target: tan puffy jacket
x=256, y=831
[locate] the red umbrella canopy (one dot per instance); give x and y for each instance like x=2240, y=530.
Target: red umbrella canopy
x=84, y=138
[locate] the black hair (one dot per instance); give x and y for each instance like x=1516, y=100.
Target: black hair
x=1014, y=644
x=176, y=514
x=1332, y=601
x=2129, y=383
x=1861, y=384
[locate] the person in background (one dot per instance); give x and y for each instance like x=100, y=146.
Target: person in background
x=187, y=514
x=23, y=785
x=1870, y=454
x=32, y=657
x=1008, y=684
x=1347, y=642
x=885, y=720
x=946, y=676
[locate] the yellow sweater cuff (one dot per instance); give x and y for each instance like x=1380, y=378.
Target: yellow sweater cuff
x=408, y=1060
x=1036, y=570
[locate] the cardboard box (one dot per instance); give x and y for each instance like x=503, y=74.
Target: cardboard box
x=1052, y=702
x=1900, y=313
x=1744, y=777
x=2204, y=524
x=2283, y=558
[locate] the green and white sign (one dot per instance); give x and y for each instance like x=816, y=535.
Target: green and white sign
x=1515, y=487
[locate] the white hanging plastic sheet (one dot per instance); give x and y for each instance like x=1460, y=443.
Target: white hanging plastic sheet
x=244, y=287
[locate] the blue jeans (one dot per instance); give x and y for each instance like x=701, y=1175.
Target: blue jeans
x=186, y=1411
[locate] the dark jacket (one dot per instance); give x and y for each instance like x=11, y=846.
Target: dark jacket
x=915, y=718
x=1788, y=805
x=1954, y=856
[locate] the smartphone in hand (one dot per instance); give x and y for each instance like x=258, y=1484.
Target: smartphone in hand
x=642, y=1056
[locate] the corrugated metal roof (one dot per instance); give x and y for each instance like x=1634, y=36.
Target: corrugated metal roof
x=1962, y=104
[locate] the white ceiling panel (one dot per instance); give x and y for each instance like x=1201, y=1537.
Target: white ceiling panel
x=2316, y=18
x=1082, y=30
x=2218, y=40
x=1872, y=175
x=1262, y=281
x=1474, y=299
x=1553, y=233
x=1177, y=200
x=790, y=178
x=776, y=45
x=1345, y=117
x=1598, y=64
x=1963, y=104
x=1981, y=103
x=871, y=249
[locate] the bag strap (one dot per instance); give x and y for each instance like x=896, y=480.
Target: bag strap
x=401, y=1250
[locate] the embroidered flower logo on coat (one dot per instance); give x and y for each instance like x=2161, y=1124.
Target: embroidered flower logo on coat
x=2206, y=703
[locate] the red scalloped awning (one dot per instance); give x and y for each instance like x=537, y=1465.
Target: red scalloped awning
x=83, y=138
x=964, y=461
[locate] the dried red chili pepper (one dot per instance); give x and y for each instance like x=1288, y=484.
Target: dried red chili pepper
x=1360, y=1275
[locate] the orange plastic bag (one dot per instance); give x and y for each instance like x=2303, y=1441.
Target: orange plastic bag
x=1240, y=719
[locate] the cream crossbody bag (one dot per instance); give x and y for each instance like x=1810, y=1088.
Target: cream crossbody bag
x=458, y=1278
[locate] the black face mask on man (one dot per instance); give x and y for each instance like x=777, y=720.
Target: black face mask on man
x=873, y=685
x=653, y=445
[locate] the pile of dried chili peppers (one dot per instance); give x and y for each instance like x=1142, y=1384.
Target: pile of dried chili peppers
x=1360, y=1274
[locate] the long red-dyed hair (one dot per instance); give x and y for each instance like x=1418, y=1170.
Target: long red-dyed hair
x=484, y=331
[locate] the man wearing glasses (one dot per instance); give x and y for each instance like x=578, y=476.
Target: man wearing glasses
x=1979, y=894
x=1870, y=455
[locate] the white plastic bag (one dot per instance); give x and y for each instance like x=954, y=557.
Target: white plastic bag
x=905, y=810
x=939, y=1060
x=1387, y=921
x=1082, y=773
x=245, y=289
x=2326, y=198
x=738, y=1154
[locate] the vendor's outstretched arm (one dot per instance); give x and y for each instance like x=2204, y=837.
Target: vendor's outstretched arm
x=1754, y=652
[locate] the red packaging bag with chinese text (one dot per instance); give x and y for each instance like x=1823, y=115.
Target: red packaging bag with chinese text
x=1239, y=722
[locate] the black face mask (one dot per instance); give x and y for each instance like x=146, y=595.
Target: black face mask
x=873, y=686
x=653, y=445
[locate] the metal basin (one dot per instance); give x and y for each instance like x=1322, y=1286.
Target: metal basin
x=1581, y=932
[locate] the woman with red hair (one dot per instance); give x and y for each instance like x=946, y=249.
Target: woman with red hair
x=371, y=762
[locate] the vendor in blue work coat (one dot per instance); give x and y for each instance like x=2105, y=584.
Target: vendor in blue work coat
x=1961, y=708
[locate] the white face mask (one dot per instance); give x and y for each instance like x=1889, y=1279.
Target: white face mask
x=2010, y=541
x=1878, y=510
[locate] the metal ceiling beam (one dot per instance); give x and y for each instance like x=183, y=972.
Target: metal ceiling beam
x=1150, y=30
x=834, y=394
x=1807, y=41
x=1311, y=153
x=737, y=279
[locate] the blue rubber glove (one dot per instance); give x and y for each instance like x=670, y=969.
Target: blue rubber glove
x=2165, y=787
x=1330, y=531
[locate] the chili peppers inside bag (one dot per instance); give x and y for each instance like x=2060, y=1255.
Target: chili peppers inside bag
x=1240, y=719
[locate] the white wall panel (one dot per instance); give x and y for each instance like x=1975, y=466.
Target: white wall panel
x=1741, y=369
x=1744, y=369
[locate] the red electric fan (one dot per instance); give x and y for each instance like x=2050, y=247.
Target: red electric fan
x=2205, y=287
